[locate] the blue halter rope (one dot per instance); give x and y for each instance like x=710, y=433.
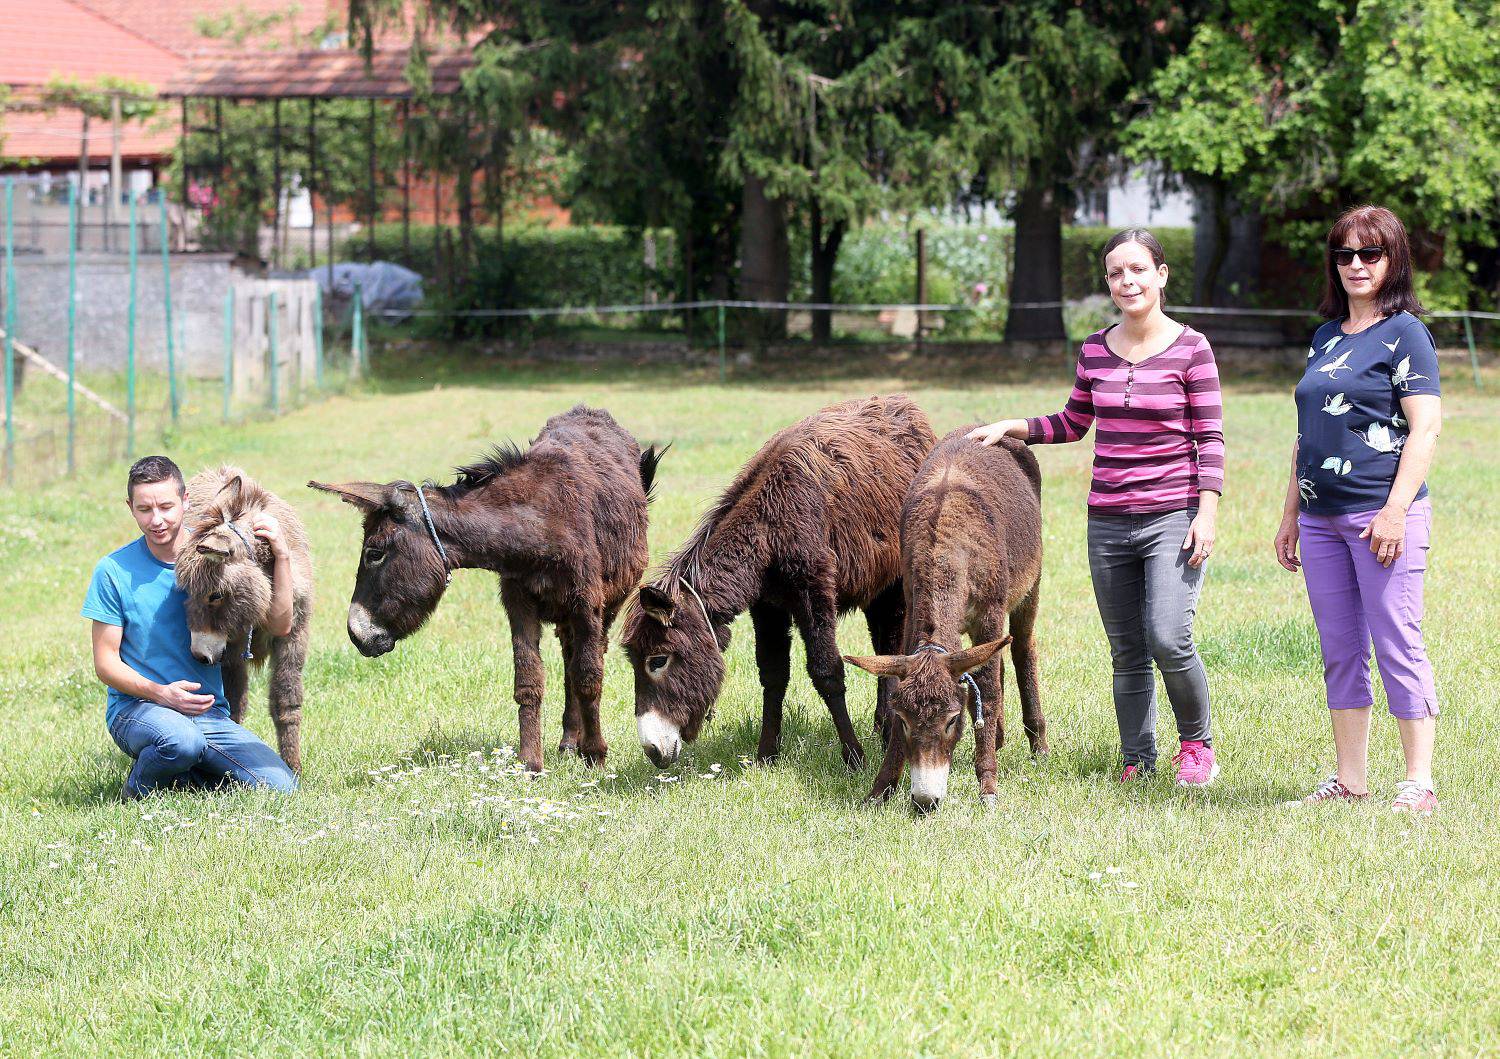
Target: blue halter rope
x=247, y=654
x=432, y=532
x=967, y=678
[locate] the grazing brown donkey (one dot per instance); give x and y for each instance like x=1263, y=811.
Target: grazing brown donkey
x=807, y=531
x=225, y=571
x=563, y=524
x=971, y=556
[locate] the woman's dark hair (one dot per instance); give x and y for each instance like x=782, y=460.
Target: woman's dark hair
x=1135, y=235
x=1367, y=226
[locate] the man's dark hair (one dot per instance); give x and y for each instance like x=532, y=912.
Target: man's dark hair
x=148, y=470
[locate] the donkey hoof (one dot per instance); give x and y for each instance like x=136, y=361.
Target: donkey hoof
x=568, y=746
x=593, y=757
x=854, y=757
x=988, y=801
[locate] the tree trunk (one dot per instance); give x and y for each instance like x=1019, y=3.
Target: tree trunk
x=825, y=253
x=1226, y=246
x=1036, y=270
x=765, y=272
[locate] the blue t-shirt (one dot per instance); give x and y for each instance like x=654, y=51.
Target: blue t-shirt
x=138, y=592
x=1350, y=429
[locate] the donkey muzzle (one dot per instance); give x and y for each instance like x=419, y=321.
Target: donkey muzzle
x=371, y=640
x=660, y=738
x=929, y=784
x=207, y=647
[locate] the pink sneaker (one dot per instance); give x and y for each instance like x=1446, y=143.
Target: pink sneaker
x=1412, y=797
x=1195, y=763
x=1330, y=790
x=1133, y=773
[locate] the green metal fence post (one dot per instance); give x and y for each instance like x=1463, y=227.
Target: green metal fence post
x=130, y=343
x=73, y=325
x=318, y=336
x=228, y=350
x=1473, y=352
x=166, y=280
x=357, y=334
x=273, y=328
x=10, y=329
x=723, y=367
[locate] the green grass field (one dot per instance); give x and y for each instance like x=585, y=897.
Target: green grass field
x=419, y=896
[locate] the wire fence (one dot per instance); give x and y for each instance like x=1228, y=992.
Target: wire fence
x=107, y=350
x=106, y=353
x=727, y=325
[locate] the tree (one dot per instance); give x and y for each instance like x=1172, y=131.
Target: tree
x=1309, y=108
x=827, y=125
x=1028, y=99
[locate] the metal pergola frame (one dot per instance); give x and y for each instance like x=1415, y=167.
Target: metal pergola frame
x=315, y=76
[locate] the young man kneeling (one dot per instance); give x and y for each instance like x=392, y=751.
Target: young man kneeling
x=164, y=708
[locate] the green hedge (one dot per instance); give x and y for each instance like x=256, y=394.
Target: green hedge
x=534, y=266
x=602, y=265
x=966, y=264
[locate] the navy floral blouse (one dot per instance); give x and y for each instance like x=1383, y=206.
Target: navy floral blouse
x=1350, y=429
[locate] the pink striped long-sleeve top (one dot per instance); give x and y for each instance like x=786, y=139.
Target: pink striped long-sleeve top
x=1160, y=437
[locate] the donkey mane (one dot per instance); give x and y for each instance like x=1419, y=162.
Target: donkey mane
x=499, y=459
x=684, y=562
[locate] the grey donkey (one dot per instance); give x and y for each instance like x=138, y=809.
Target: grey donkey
x=225, y=571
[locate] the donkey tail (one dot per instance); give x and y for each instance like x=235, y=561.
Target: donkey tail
x=650, y=459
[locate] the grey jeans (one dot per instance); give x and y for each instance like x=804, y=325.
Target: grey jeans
x=1148, y=595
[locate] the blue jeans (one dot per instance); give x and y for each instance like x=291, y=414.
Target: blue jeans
x=174, y=750
x=1148, y=596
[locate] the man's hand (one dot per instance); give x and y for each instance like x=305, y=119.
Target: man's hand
x=268, y=529
x=179, y=696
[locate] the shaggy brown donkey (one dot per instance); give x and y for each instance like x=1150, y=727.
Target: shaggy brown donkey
x=806, y=531
x=225, y=571
x=971, y=557
x=563, y=524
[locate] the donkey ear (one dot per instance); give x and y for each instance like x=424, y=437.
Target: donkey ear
x=960, y=662
x=882, y=665
x=367, y=496
x=229, y=493
x=658, y=604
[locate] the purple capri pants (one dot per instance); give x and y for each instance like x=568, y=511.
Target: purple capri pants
x=1355, y=599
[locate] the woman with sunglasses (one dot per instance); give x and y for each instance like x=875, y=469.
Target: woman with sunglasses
x=1368, y=416
x=1152, y=387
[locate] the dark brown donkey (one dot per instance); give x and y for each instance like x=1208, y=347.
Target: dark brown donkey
x=971, y=557
x=563, y=524
x=806, y=531
x=225, y=572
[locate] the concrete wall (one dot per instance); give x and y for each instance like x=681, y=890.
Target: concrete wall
x=199, y=285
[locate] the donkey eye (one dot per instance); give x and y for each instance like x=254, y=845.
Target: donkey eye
x=214, y=597
x=374, y=557
x=952, y=724
x=656, y=663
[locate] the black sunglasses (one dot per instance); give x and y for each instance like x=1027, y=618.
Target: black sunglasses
x=1344, y=257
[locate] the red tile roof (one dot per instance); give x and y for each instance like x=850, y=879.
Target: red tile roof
x=43, y=38
x=178, y=24
x=320, y=74
x=290, y=25
x=58, y=137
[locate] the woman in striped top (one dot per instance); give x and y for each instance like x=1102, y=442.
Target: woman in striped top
x=1152, y=386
